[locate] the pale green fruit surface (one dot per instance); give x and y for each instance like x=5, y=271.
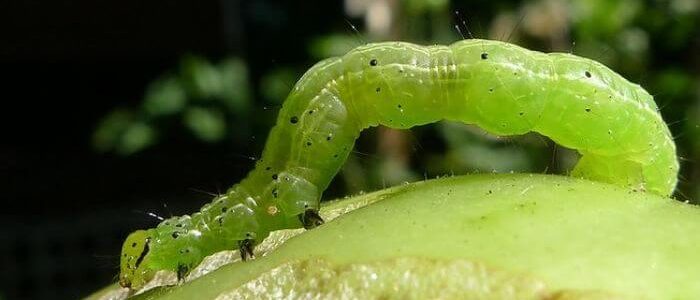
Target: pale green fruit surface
x=516, y=236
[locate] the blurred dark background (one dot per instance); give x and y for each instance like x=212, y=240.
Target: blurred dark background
x=113, y=112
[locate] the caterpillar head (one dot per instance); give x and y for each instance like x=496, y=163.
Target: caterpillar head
x=135, y=269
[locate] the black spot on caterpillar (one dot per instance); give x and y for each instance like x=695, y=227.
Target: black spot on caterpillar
x=503, y=88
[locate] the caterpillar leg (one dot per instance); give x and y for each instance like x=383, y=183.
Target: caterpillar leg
x=245, y=247
x=310, y=219
x=182, y=271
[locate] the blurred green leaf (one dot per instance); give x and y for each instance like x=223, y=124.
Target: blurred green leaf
x=201, y=78
x=165, y=96
x=110, y=129
x=423, y=6
x=673, y=83
x=692, y=127
x=207, y=124
x=473, y=149
x=224, y=87
x=602, y=19
x=334, y=45
x=275, y=85
x=235, y=87
x=135, y=138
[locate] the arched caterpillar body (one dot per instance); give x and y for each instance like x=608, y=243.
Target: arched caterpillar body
x=503, y=88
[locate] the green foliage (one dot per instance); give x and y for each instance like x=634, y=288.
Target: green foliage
x=123, y=133
x=202, y=95
x=277, y=84
x=333, y=45
x=206, y=124
x=164, y=97
x=651, y=43
x=423, y=6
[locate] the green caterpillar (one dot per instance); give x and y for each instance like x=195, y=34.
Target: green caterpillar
x=503, y=88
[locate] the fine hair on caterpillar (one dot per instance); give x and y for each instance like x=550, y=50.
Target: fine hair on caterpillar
x=500, y=87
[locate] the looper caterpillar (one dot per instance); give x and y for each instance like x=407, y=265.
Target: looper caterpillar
x=503, y=88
